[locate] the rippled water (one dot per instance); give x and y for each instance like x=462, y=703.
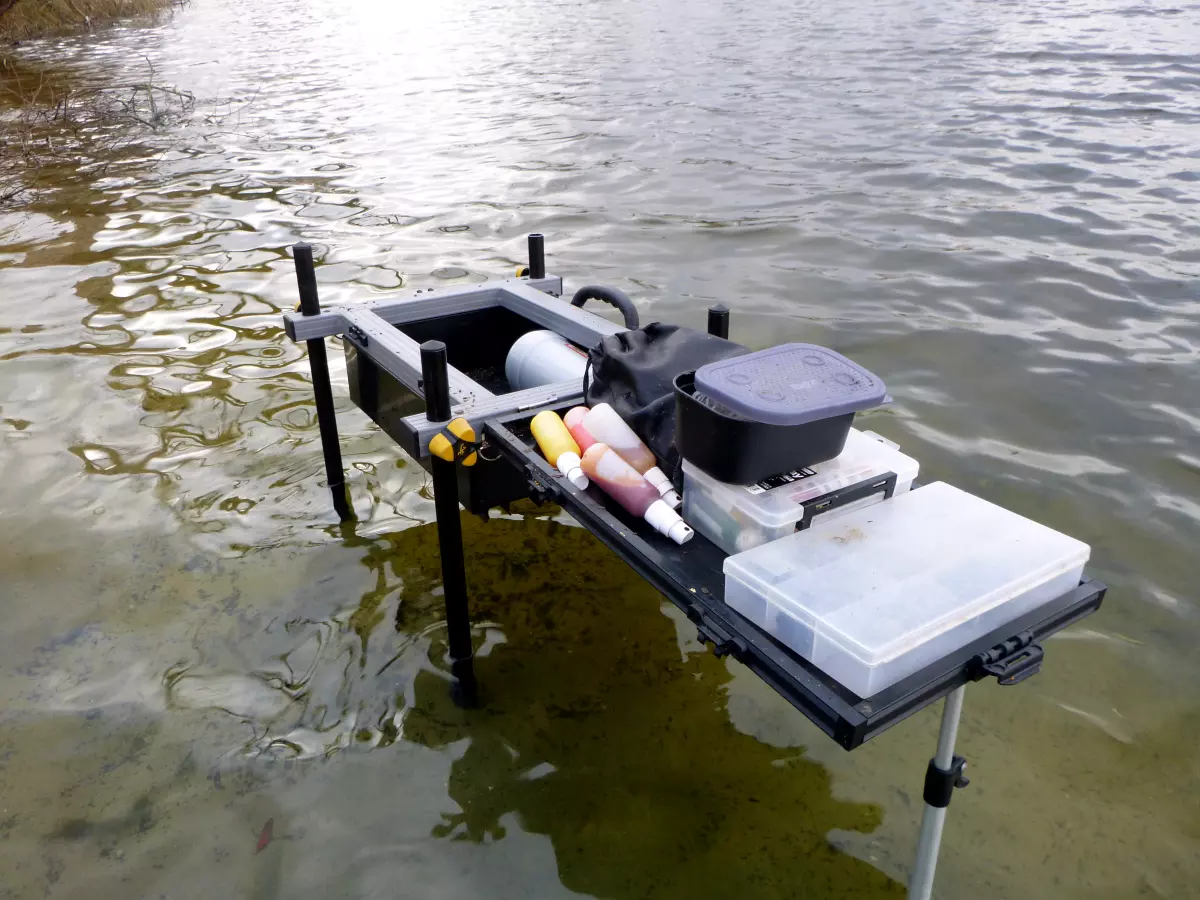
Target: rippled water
x=991, y=204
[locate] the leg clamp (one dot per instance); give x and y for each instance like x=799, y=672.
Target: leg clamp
x=456, y=443
x=940, y=783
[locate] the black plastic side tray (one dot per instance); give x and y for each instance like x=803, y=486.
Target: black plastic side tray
x=691, y=577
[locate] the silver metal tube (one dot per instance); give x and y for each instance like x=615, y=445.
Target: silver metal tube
x=934, y=819
x=951, y=713
x=921, y=886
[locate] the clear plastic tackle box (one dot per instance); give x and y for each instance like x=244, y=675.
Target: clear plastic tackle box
x=740, y=517
x=878, y=594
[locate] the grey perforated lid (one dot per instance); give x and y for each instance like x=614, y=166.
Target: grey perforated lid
x=791, y=384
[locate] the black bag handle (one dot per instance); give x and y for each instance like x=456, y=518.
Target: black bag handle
x=611, y=296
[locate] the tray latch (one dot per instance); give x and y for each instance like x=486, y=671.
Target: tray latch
x=1010, y=662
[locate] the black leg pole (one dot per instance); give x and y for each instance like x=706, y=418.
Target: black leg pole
x=718, y=321
x=310, y=305
x=537, y=256
x=436, y=385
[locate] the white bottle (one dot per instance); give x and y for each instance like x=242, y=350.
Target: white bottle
x=603, y=424
x=621, y=481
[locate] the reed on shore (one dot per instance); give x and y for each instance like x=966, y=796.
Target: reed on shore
x=22, y=20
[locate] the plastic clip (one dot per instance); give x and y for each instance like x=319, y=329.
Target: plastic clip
x=1010, y=662
x=729, y=647
x=539, y=491
x=940, y=783
x=358, y=336
x=708, y=633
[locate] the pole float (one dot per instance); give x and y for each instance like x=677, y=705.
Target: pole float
x=436, y=387
x=310, y=305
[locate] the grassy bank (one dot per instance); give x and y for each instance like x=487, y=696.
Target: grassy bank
x=24, y=19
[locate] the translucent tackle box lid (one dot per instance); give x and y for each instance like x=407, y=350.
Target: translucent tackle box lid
x=791, y=384
x=882, y=581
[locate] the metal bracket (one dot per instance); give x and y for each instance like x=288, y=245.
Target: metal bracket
x=940, y=783
x=358, y=336
x=1010, y=662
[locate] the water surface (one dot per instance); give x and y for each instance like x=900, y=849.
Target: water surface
x=992, y=205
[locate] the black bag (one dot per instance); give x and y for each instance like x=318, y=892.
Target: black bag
x=634, y=371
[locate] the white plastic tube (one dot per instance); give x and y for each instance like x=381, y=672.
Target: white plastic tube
x=543, y=357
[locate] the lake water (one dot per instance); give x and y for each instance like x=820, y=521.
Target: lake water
x=993, y=205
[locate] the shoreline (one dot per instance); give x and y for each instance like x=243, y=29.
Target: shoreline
x=49, y=120
x=24, y=20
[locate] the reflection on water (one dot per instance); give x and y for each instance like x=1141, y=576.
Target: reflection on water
x=582, y=689
x=990, y=204
x=602, y=730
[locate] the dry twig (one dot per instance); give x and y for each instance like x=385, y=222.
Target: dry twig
x=56, y=125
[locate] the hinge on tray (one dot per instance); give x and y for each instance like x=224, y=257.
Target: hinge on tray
x=1010, y=662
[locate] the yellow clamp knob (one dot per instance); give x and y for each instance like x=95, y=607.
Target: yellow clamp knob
x=522, y=271
x=455, y=443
